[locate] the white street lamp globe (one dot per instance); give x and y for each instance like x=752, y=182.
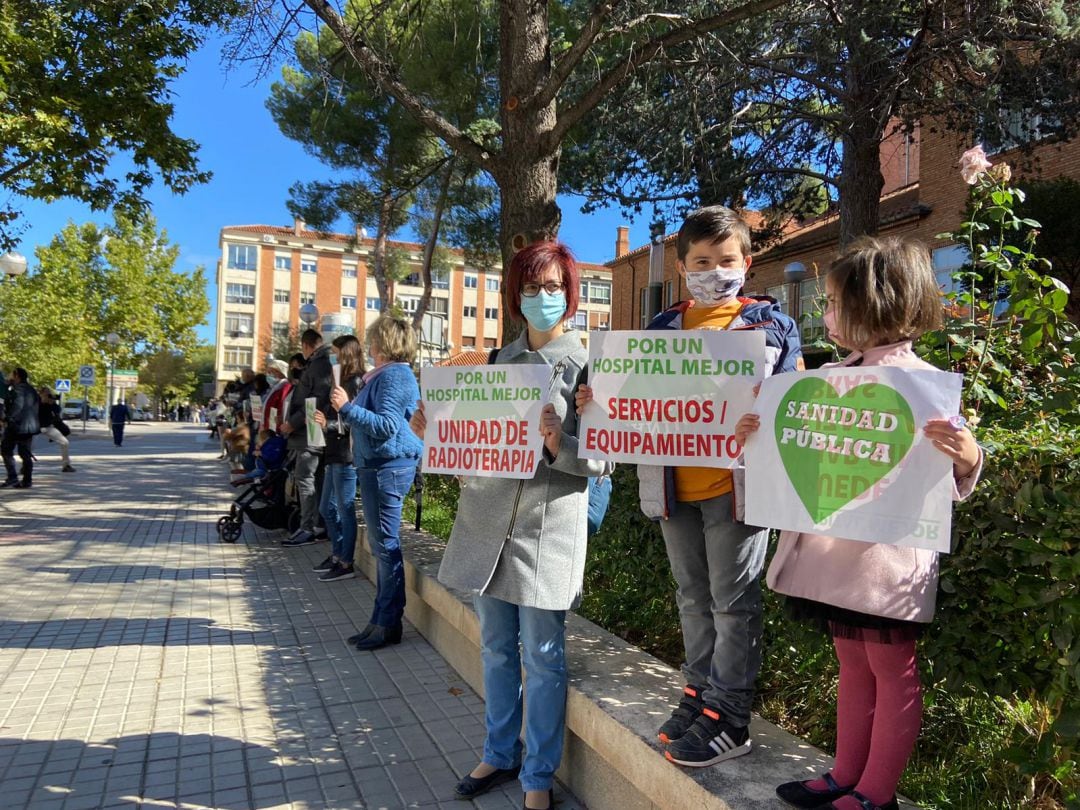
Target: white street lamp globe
x=112, y=339
x=309, y=313
x=13, y=264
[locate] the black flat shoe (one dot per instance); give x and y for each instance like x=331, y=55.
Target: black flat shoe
x=551, y=802
x=358, y=637
x=797, y=794
x=379, y=637
x=470, y=787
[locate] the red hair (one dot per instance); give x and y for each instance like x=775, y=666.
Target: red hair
x=530, y=263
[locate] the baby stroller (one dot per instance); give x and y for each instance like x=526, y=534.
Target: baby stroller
x=265, y=501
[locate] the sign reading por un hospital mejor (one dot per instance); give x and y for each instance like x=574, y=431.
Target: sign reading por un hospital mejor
x=484, y=420
x=669, y=398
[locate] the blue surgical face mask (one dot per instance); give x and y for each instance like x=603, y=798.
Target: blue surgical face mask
x=544, y=310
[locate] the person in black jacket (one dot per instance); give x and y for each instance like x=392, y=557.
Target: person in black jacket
x=53, y=427
x=21, y=415
x=316, y=381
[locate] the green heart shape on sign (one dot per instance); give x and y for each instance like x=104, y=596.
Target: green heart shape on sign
x=834, y=448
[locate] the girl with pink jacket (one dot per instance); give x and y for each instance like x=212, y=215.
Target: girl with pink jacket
x=873, y=599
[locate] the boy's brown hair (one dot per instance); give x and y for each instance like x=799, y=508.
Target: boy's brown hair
x=714, y=223
x=884, y=292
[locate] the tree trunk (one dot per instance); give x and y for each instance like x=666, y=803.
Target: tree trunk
x=528, y=170
x=432, y=242
x=378, y=251
x=869, y=101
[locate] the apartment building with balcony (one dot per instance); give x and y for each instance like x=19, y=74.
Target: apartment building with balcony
x=266, y=273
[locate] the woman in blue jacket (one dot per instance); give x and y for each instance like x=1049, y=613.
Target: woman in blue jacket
x=386, y=453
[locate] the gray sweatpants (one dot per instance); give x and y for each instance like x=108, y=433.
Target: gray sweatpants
x=305, y=472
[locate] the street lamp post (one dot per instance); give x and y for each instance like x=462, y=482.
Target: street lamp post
x=113, y=340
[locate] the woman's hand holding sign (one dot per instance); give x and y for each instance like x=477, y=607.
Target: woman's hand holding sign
x=551, y=428
x=582, y=397
x=338, y=397
x=747, y=425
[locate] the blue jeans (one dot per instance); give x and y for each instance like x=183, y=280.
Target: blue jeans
x=382, y=493
x=542, y=634
x=717, y=565
x=337, y=505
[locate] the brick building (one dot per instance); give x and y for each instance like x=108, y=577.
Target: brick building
x=923, y=196
x=266, y=273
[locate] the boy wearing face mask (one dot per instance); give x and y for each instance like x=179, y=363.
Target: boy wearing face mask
x=716, y=558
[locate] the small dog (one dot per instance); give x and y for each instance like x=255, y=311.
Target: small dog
x=235, y=444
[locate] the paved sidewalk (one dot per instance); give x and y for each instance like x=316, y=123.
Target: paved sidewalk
x=145, y=664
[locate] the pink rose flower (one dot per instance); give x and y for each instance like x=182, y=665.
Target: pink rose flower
x=973, y=163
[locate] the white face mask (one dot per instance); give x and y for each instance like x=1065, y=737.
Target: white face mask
x=716, y=286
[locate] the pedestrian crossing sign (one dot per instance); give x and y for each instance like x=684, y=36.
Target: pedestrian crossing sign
x=63, y=386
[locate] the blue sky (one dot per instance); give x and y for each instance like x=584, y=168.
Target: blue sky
x=253, y=166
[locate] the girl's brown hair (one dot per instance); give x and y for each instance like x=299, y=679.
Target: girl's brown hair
x=884, y=291
x=350, y=355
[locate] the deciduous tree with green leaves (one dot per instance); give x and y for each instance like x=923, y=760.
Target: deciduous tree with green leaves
x=83, y=84
x=91, y=281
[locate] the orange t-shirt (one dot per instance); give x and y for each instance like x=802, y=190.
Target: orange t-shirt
x=702, y=483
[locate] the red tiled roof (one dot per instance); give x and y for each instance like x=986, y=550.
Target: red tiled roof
x=469, y=357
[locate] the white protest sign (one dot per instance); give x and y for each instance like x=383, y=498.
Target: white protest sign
x=841, y=452
x=669, y=397
x=484, y=420
x=315, y=437
x=273, y=420
x=256, y=409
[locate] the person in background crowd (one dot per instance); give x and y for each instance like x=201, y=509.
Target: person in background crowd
x=20, y=425
x=119, y=416
x=338, y=502
x=315, y=382
x=53, y=427
x=277, y=374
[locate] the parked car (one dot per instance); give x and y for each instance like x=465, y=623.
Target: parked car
x=73, y=409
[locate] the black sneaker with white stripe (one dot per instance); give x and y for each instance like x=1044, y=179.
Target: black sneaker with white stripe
x=708, y=741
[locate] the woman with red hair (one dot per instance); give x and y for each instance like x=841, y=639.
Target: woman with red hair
x=519, y=546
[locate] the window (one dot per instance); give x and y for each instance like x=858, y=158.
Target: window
x=604, y=323
x=811, y=306
x=237, y=358
x=373, y=304
x=237, y=323
x=468, y=312
x=491, y=313
x=947, y=260
x=348, y=302
x=308, y=266
x=669, y=293
x=644, y=317
x=281, y=296
x=439, y=305
x=580, y=321
x=280, y=329
x=239, y=293
x=471, y=281
x=491, y=283
x=307, y=297
x=348, y=271
x=283, y=262
x=412, y=280
x=600, y=292
x=243, y=257
x=408, y=303
x=780, y=293
x=440, y=278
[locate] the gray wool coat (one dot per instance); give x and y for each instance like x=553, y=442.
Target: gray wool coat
x=534, y=556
